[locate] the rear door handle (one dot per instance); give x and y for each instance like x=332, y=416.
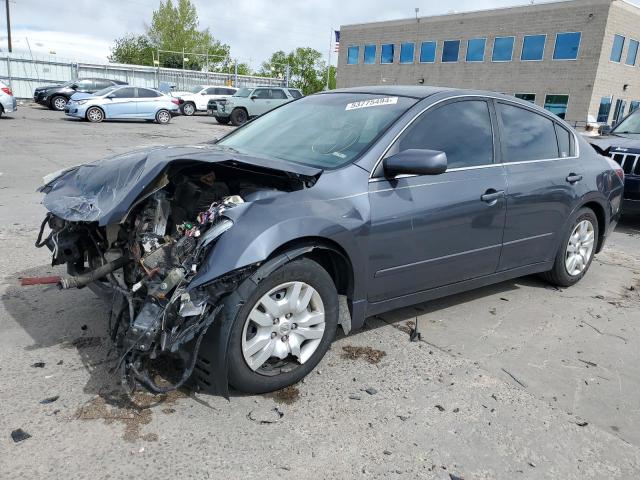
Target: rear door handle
x=574, y=178
x=492, y=196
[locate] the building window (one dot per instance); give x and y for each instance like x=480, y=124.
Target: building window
x=450, y=51
x=604, y=110
x=635, y=104
x=475, y=49
x=428, y=52
x=616, y=50
x=407, y=52
x=529, y=97
x=567, y=46
x=557, y=104
x=352, y=55
x=387, y=51
x=369, y=54
x=503, y=49
x=632, y=55
x=618, y=113
x=533, y=48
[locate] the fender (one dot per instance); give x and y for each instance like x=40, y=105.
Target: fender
x=590, y=197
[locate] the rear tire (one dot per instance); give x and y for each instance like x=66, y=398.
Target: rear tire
x=163, y=117
x=239, y=117
x=188, y=109
x=58, y=103
x=576, y=250
x=95, y=115
x=274, y=373
x=223, y=120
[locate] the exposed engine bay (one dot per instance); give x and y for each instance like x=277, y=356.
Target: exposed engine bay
x=143, y=265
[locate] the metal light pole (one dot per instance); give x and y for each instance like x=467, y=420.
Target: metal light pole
x=8, y=26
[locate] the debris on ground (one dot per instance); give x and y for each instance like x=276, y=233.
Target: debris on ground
x=19, y=435
x=287, y=395
x=355, y=397
x=582, y=423
x=514, y=378
x=38, y=365
x=439, y=407
x=84, y=342
x=49, y=400
x=83, y=327
x=588, y=363
x=369, y=354
x=265, y=416
x=371, y=391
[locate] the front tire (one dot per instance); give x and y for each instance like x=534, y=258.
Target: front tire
x=239, y=117
x=576, y=251
x=188, y=109
x=58, y=103
x=223, y=120
x=283, y=328
x=163, y=117
x=95, y=115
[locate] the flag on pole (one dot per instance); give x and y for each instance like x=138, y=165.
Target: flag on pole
x=337, y=44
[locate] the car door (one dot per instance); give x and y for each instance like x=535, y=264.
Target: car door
x=434, y=230
x=202, y=99
x=121, y=103
x=260, y=102
x=147, y=103
x=544, y=183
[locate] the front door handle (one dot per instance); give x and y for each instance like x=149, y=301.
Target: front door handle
x=492, y=196
x=574, y=178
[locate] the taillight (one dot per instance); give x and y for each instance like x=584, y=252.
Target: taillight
x=616, y=168
x=7, y=90
x=176, y=101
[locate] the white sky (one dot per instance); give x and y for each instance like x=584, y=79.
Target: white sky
x=85, y=29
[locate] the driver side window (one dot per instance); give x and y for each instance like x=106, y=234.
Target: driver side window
x=460, y=129
x=262, y=94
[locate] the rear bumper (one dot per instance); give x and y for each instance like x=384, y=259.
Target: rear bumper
x=631, y=199
x=9, y=104
x=631, y=207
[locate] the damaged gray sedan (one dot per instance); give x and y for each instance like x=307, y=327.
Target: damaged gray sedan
x=229, y=258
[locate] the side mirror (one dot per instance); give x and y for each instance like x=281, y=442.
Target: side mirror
x=111, y=96
x=415, y=162
x=253, y=97
x=73, y=87
x=605, y=130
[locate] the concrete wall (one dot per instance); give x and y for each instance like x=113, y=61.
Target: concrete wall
x=575, y=78
x=624, y=19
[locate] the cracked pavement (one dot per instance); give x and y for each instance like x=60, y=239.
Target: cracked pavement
x=516, y=380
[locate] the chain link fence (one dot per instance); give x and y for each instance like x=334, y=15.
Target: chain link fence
x=24, y=72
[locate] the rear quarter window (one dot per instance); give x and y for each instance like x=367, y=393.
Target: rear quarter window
x=295, y=93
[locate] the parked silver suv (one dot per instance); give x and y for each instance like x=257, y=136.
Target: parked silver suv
x=250, y=102
x=8, y=102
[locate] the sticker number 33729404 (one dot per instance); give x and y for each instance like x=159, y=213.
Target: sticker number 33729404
x=374, y=102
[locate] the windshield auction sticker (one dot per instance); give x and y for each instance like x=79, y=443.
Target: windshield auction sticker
x=374, y=102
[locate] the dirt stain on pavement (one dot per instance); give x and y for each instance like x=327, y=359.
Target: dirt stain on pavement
x=288, y=395
x=369, y=354
x=133, y=412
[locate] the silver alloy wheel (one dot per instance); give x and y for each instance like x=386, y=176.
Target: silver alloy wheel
x=287, y=320
x=59, y=103
x=580, y=248
x=94, y=114
x=188, y=109
x=163, y=116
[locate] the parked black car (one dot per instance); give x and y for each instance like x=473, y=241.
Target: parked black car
x=57, y=96
x=623, y=145
x=231, y=256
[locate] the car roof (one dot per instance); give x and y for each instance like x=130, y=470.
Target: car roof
x=418, y=91
x=117, y=82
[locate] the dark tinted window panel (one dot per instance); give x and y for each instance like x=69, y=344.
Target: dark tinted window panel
x=475, y=49
x=533, y=48
x=632, y=54
x=278, y=94
x=557, y=104
x=261, y=93
x=127, y=92
x=352, y=55
x=407, y=52
x=605, y=110
x=503, y=49
x=462, y=130
x=387, y=52
x=616, y=50
x=526, y=135
x=529, y=97
x=564, y=141
x=428, y=52
x=370, y=54
x=295, y=93
x=146, y=93
x=451, y=51
x=567, y=46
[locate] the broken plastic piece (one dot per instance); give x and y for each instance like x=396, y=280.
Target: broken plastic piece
x=19, y=435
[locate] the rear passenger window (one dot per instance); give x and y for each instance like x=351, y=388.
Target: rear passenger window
x=278, y=94
x=564, y=141
x=462, y=130
x=526, y=135
x=146, y=93
x=295, y=93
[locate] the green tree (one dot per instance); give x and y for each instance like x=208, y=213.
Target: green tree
x=174, y=27
x=307, y=70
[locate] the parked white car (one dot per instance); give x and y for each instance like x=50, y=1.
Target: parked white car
x=8, y=102
x=198, y=98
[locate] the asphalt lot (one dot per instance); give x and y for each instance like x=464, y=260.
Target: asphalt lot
x=517, y=380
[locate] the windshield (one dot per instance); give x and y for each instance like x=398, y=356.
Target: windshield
x=69, y=83
x=196, y=89
x=629, y=126
x=105, y=91
x=323, y=131
x=243, y=92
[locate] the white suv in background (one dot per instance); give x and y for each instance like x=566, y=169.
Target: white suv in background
x=8, y=102
x=198, y=98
